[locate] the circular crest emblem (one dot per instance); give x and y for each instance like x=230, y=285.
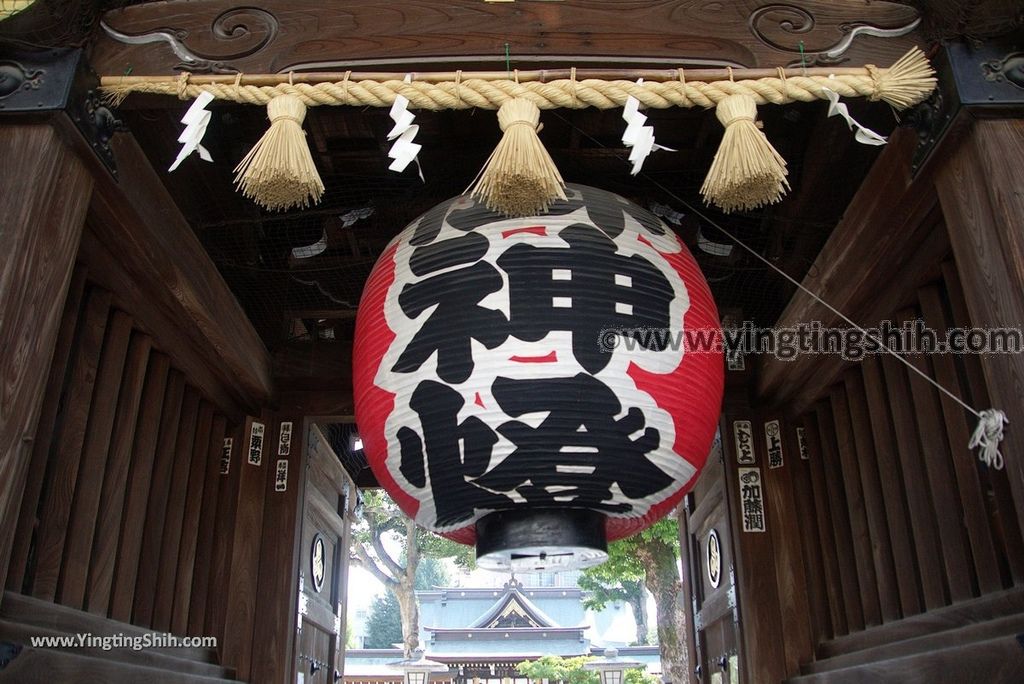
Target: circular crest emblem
x=317, y=562
x=714, y=553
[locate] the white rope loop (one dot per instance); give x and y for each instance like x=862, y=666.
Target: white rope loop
x=987, y=436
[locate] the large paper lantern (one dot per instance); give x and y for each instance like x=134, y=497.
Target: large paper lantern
x=540, y=385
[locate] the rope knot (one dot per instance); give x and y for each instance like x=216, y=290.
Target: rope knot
x=183, y=85
x=286, y=108
x=987, y=437
x=518, y=111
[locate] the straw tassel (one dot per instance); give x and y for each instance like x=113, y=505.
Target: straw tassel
x=519, y=178
x=906, y=83
x=747, y=171
x=278, y=173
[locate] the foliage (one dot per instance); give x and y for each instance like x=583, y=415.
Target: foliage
x=558, y=669
x=390, y=546
x=430, y=573
x=384, y=624
x=638, y=675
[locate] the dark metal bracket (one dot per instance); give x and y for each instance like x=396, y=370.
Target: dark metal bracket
x=33, y=82
x=986, y=80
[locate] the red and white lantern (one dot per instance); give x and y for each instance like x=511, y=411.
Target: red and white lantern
x=539, y=385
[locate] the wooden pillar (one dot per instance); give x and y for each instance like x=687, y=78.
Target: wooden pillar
x=254, y=460
x=979, y=189
x=277, y=607
x=46, y=191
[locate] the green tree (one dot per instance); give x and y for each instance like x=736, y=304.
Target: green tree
x=383, y=526
x=384, y=624
x=621, y=581
x=653, y=555
x=431, y=573
x=558, y=669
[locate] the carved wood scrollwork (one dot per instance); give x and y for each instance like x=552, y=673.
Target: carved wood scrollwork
x=795, y=29
x=233, y=35
x=268, y=36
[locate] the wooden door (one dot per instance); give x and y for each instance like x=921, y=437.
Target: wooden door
x=323, y=565
x=712, y=575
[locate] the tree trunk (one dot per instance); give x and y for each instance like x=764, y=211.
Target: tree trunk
x=662, y=580
x=638, y=601
x=410, y=617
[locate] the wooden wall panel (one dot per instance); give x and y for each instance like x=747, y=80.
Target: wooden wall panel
x=170, y=544
x=147, y=433
x=47, y=428
x=919, y=504
x=45, y=194
x=1004, y=514
x=810, y=544
x=968, y=483
x=871, y=489
x=864, y=556
x=980, y=195
x=206, y=526
x=190, y=521
x=784, y=528
x=115, y=479
x=839, y=510
x=938, y=469
x=826, y=533
x=892, y=488
x=62, y=474
x=156, y=502
x=82, y=523
x=227, y=510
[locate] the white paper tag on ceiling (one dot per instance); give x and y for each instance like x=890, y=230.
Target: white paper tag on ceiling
x=638, y=137
x=196, y=120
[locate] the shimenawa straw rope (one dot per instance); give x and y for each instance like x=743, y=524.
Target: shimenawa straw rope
x=904, y=84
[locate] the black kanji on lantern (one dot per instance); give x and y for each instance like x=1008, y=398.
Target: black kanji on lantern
x=577, y=452
x=454, y=323
x=561, y=288
x=458, y=450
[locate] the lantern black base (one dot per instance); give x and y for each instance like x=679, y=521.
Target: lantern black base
x=540, y=539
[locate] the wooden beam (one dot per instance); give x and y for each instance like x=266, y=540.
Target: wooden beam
x=137, y=221
x=278, y=35
x=42, y=209
x=879, y=234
